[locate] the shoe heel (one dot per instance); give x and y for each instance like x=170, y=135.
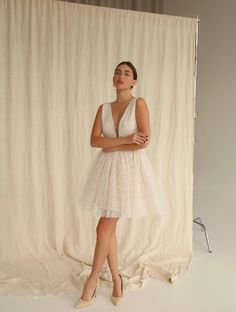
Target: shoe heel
x=117, y=300
x=121, y=284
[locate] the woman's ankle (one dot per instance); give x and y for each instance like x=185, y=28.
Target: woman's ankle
x=93, y=279
x=115, y=277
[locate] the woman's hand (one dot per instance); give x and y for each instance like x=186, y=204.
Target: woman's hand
x=137, y=138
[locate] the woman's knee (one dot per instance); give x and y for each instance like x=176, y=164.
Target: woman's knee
x=106, y=225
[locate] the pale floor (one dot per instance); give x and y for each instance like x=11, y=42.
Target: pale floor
x=209, y=284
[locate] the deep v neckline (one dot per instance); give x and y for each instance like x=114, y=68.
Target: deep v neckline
x=118, y=126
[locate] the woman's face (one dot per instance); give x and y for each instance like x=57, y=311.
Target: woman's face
x=123, y=77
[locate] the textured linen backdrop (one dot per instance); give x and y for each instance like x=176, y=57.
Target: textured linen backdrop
x=57, y=62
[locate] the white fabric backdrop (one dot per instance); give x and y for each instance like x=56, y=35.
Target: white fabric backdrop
x=57, y=62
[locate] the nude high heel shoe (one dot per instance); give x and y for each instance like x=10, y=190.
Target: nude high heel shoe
x=117, y=300
x=84, y=303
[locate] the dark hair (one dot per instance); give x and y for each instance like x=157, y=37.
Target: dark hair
x=135, y=75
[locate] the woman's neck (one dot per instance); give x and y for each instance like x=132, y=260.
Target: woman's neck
x=123, y=96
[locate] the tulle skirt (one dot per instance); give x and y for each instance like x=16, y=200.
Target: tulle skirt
x=121, y=184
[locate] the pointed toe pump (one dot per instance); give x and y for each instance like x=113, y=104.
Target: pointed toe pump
x=84, y=303
x=117, y=300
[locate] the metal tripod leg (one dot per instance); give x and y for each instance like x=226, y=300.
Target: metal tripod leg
x=203, y=228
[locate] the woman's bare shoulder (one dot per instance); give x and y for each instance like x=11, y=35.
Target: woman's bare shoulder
x=141, y=103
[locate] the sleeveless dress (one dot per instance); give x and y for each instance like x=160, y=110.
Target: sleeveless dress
x=121, y=183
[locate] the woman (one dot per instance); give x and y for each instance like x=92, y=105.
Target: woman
x=121, y=181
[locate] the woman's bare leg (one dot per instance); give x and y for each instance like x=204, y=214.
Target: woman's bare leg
x=104, y=231
x=112, y=259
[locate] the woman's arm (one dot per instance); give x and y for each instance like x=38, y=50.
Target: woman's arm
x=125, y=147
x=143, y=125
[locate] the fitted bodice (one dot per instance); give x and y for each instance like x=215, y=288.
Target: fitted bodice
x=126, y=125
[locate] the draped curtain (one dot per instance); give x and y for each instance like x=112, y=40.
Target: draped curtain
x=57, y=61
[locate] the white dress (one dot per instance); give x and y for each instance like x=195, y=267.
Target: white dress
x=121, y=183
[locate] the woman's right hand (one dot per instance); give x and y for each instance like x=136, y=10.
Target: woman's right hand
x=137, y=138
